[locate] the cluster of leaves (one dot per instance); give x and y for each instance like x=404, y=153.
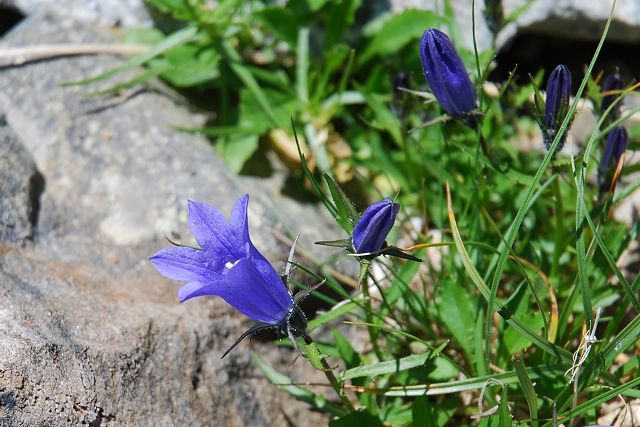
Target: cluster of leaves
x=484, y=332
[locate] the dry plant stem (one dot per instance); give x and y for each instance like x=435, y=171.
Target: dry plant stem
x=335, y=384
x=13, y=56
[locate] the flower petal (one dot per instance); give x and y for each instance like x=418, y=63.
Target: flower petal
x=374, y=225
x=446, y=74
x=182, y=263
x=238, y=220
x=256, y=293
x=211, y=230
x=195, y=289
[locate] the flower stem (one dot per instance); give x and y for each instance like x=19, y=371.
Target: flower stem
x=335, y=384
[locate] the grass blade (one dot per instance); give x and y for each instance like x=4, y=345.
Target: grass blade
x=527, y=388
x=175, y=39
x=486, y=292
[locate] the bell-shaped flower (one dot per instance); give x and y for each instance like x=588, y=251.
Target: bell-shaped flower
x=614, y=148
x=556, y=105
x=611, y=83
x=446, y=75
x=227, y=265
x=375, y=223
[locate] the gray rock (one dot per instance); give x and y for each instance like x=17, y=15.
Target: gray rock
x=20, y=188
x=562, y=18
x=107, y=13
x=89, y=331
x=575, y=19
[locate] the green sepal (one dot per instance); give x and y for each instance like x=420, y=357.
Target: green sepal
x=398, y=253
x=538, y=103
x=341, y=243
x=346, y=215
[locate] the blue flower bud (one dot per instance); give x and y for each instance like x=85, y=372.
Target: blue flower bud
x=445, y=74
x=557, y=104
x=615, y=146
x=374, y=225
x=612, y=82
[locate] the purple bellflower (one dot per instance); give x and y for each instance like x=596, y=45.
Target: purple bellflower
x=446, y=75
x=375, y=223
x=614, y=148
x=613, y=82
x=557, y=104
x=229, y=266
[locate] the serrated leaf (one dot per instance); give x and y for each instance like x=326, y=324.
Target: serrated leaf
x=346, y=213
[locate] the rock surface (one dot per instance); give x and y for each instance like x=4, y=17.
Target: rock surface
x=561, y=18
x=90, y=333
x=20, y=188
x=106, y=13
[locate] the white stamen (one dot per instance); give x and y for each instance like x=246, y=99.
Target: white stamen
x=229, y=265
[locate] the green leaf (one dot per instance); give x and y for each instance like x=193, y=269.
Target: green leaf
x=238, y=149
x=541, y=342
x=514, y=341
x=528, y=390
x=543, y=372
x=400, y=284
x=281, y=21
x=504, y=415
x=312, y=354
x=143, y=36
x=191, y=66
x=252, y=114
x=244, y=74
x=341, y=16
x=512, y=233
x=424, y=414
x=357, y=419
x=347, y=215
x=179, y=9
x=316, y=5
x=456, y=310
x=283, y=382
x=312, y=179
x=337, y=311
x=606, y=395
x=383, y=118
x=347, y=353
x=397, y=31
x=178, y=38
x=399, y=365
